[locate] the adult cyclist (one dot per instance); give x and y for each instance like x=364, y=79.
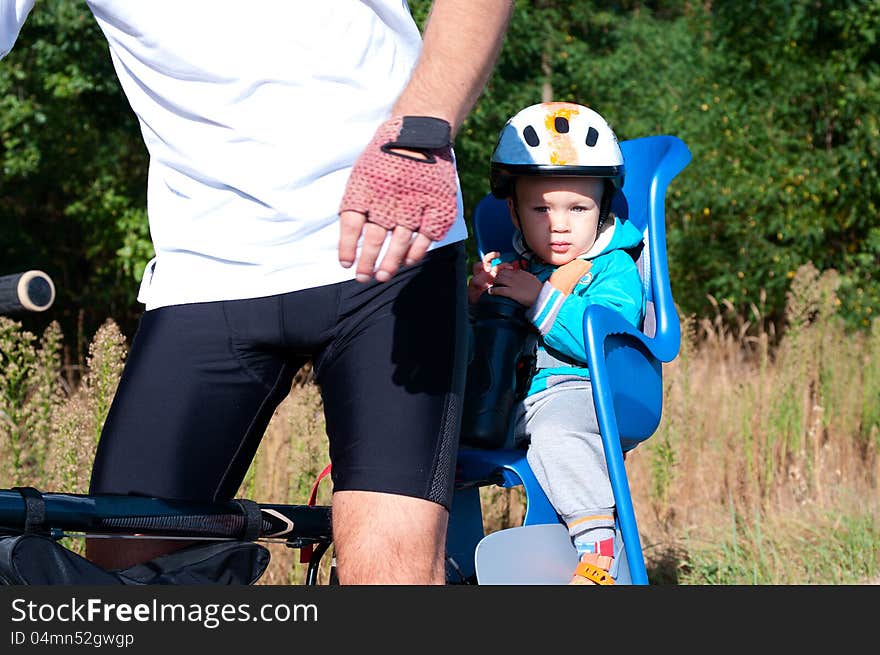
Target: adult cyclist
x=303, y=205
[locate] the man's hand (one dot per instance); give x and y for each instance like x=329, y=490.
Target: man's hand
x=462, y=39
x=404, y=186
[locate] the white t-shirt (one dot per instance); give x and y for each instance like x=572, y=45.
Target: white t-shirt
x=253, y=114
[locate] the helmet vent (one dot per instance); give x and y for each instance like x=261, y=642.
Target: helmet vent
x=561, y=124
x=592, y=136
x=531, y=136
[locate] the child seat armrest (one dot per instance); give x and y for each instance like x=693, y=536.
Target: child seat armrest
x=601, y=322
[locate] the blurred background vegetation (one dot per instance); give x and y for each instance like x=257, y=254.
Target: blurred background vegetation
x=777, y=101
x=765, y=468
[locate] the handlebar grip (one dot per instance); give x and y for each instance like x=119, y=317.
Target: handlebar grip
x=31, y=291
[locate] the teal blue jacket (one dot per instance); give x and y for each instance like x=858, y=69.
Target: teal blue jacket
x=612, y=281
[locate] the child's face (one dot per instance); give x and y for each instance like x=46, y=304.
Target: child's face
x=559, y=215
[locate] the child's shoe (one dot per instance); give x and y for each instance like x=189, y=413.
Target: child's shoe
x=593, y=567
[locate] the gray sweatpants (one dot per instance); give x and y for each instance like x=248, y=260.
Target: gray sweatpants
x=566, y=454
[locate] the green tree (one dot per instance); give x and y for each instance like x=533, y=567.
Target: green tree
x=776, y=100
x=73, y=176
x=787, y=147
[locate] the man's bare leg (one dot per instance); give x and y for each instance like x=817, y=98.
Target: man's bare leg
x=384, y=538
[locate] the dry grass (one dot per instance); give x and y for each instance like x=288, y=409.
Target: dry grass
x=288, y=462
x=768, y=444
x=757, y=441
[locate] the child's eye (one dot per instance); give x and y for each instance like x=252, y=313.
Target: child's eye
x=579, y=208
x=540, y=210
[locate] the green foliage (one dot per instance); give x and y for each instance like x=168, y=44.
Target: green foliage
x=787, y=146
x=107, y=354
x=776, y=100
x=663, y=460
x=831, y=549
x=870, y=407
x=72, y=168
x=30, y=392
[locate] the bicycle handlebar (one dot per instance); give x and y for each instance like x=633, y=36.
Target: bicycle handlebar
x=112, y=514
x=31, y=291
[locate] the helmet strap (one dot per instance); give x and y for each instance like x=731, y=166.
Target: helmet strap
x=605, y=206
x=519, y=221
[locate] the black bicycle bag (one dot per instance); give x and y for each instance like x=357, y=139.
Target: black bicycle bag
x=37, y=559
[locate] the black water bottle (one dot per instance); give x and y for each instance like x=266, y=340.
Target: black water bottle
x=502, y=347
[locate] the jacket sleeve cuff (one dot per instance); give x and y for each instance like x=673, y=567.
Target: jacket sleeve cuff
x=546, y=307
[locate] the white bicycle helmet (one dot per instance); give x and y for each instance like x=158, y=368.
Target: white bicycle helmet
x=555, y=138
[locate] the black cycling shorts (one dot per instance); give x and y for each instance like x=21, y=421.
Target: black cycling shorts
x=202, y=381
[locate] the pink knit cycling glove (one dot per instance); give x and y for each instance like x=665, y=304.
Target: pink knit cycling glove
x=395, y=189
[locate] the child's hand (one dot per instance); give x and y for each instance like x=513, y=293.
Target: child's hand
x=516, y=284
x=483, y=278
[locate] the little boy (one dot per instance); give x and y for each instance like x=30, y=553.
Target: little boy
x=558, y=165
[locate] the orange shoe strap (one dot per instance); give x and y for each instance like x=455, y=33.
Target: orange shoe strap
x=595, y=572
